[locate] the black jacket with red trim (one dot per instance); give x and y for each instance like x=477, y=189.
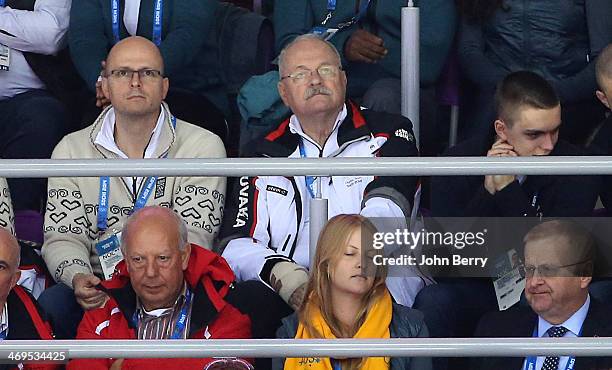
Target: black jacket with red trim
x=266, y=218
x=212, y=316
x=27, y=321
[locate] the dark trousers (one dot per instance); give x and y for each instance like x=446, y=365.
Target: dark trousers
x=452, y=308
x=31, y=124
x=62, y=309
x=265, y=308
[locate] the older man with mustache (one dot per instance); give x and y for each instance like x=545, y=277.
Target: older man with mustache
x=267, y=219
x=84, y=216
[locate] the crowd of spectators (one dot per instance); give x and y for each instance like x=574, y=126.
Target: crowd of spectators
x=209, y=257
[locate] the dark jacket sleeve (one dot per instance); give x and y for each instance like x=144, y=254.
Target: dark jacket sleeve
x=191, y=23
x=474, y=63
x=291, y=19
x=286, y=331
x=599, y=22
x=87, y=39
x=575, y=196
x=408, y=323
x=400, y=143
x=296, y=17
x=456, y=196
x=438, y=22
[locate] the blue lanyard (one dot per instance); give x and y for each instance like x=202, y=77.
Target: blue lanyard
x=3, y=334
x=157, y=20
x=363, y=9
x=331, y=8
x=105, y=193
x=141, y=201
x=179, y=328
x=308, y=179
x=531, y=361
x=336, y=364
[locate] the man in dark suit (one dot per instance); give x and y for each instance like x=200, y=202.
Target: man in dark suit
x=558, y=267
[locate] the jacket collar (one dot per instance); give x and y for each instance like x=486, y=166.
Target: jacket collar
x=208, y=275
x=167, y=136
x=281, y=142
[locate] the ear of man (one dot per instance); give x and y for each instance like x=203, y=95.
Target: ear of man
x=602, y=98
x=500, y=129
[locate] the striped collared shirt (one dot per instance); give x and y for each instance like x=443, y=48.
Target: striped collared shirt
x=160, y=323
x=4, y=325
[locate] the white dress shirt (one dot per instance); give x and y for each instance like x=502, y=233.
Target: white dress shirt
x=130, y=15
x=41, y=31
x=4, y=324
x=106, y=139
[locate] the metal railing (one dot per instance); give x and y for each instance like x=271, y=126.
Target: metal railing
x=407, y=347
x=404, y=166
x=395, y=347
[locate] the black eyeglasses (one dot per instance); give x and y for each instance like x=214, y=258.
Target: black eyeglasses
x=326, y=72
x=548, y=270
x=126, y=74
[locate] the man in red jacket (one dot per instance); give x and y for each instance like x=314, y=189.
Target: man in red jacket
x=164, y=289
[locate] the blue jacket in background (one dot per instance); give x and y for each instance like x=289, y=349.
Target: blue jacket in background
x=188, y=47
x=383, y=18
x=558, y=39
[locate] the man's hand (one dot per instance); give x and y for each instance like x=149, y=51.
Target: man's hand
x=101, y=100
x=289, y=280
x=297, y=297
x=116, y=365
x=86, y=293
x=363, y=46
x=495, y=183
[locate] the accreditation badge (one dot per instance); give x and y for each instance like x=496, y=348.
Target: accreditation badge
x=324, y=32
x=5, y=58
x=109, y=252
x=508, y=279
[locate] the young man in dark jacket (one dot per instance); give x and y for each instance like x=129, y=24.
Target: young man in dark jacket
x=165, y=288
x=529, y=118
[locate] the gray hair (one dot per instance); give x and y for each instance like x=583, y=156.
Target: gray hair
x=308, y=36
x=180, y=224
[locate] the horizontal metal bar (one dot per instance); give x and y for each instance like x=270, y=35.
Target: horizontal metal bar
x=425, y=166
x=412, y=347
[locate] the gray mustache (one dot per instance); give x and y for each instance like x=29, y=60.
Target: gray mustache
x=316, y=90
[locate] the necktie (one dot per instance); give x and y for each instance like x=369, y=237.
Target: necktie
x=550, y=362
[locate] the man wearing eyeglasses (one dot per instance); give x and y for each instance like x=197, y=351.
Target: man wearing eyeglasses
x=85, y=215
x=268, y=218
x=559, y=268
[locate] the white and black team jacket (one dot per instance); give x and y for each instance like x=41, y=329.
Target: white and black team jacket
x=267, y=217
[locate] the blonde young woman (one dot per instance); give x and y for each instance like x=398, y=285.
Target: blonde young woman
x=341, y=302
